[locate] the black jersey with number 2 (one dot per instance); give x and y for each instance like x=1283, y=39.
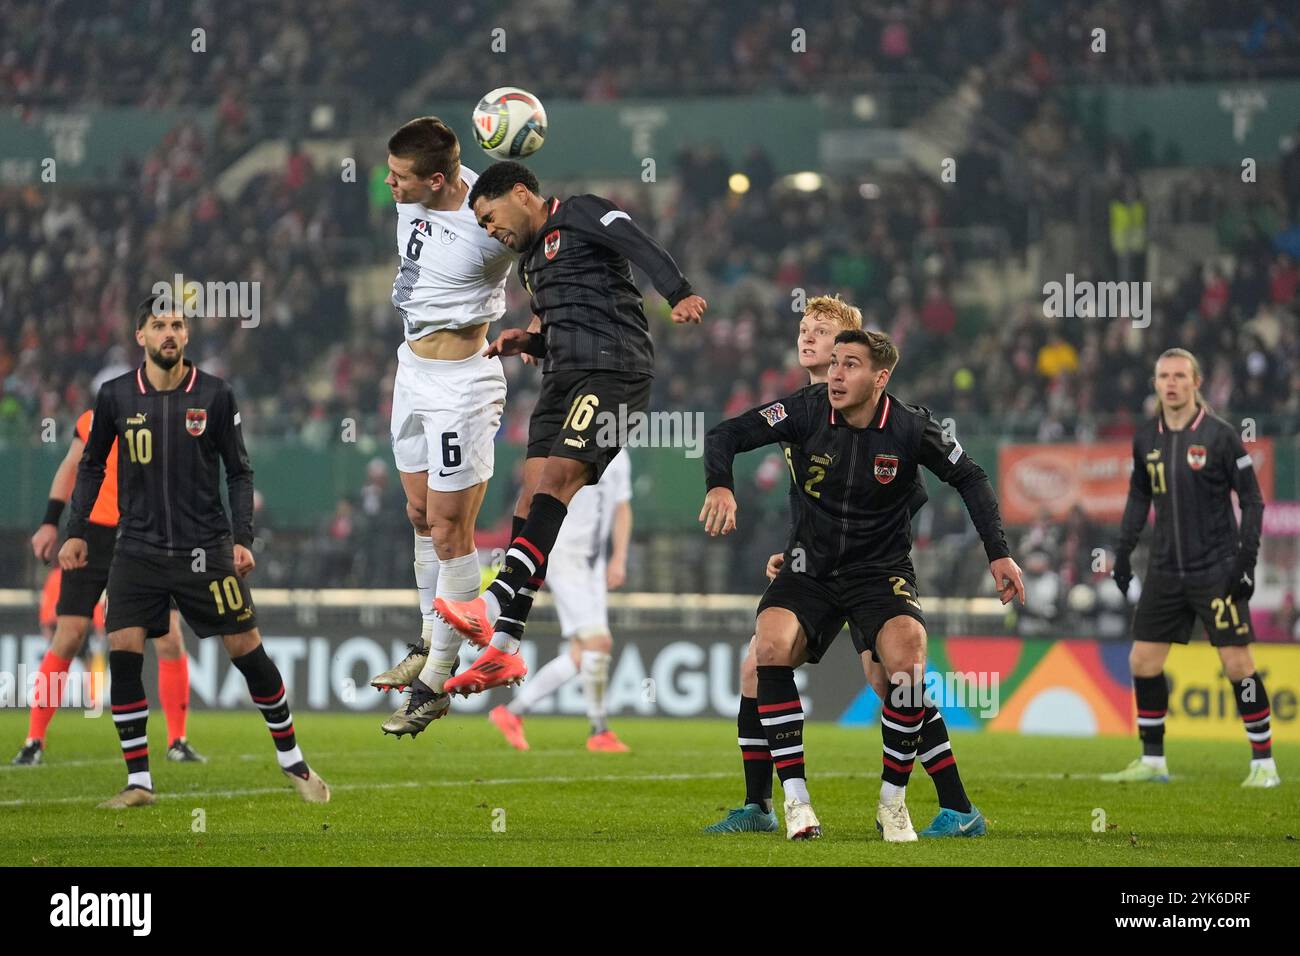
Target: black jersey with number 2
x=855, y=485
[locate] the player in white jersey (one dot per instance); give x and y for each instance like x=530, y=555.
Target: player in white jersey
x=582, y=568
x=447, y=397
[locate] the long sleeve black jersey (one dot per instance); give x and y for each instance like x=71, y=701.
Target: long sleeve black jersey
x=1190, y=475
x=169, y=460
x=856, y=485
x=577, y=272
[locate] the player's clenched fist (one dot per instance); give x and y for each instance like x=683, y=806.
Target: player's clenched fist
x=243, y=560
x=774, y=565
x=73, y=554
x=719, y=512
x=690, y=309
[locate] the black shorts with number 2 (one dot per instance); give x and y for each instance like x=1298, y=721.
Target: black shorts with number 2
x=579, y=412
x=821, y=605
x=211, y=597
x=1170, y=606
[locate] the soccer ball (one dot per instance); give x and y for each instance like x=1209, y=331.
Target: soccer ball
x=510, y=123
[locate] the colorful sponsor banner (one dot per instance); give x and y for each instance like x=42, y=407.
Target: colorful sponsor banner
x=1055, y=478
x=1083, y=688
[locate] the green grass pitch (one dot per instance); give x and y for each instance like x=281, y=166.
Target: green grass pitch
x=459, y=795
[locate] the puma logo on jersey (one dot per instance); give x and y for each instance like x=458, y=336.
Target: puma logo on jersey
x=578, y=442
x=1153, y=455
x=137, y=419
x=826, y=460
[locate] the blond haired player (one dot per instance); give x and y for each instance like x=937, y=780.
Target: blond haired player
x=1187, y=461
x=447, y=398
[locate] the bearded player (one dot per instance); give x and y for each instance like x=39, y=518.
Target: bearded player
x=589, y=560
x=79, y=594
x=448, y=396
x=177, y=428
x=1188, y=462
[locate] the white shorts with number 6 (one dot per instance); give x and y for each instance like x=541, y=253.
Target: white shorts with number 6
x=446, y=416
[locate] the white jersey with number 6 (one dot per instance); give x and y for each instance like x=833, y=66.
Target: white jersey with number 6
x=446, y=413
x=450, y=274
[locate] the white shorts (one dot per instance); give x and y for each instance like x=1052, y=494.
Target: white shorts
x=446, y=416
x=577, y=586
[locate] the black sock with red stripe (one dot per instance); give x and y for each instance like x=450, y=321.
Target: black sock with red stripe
x=130, y=714
x=781, y=714
x=1152, y=694
x=1252, y=704
x=525, y=562
x=266, y=687
x=754, y=754
x=935, y=752
x=900, y=734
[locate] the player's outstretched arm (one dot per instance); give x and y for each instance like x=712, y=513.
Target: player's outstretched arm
x=946, y=458
x=786, y=420
x=1136, y=509
x=600, y=221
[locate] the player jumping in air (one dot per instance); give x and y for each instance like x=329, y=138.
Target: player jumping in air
x=857, y=449
x=1202, y=567
x=583, y=569
x=176, y=426
x=574, y=257
x=79, y=592
x=448, y=396
x=824, y=317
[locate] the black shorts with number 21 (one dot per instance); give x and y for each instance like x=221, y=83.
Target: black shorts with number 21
x=211, y=597
x=582, y=413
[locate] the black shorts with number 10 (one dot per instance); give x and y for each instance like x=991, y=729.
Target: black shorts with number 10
x=579, y=411
x=213, y=600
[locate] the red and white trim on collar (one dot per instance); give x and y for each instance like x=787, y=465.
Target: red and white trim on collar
x=883, y=408
x=1200, y=417
x=189, y=386
x=555, y=204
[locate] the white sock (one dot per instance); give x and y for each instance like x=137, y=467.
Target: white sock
x=1265, y=762
x=892, y=792
x=288, y=758
x=504, y=642
x=595, y=676
x=545, y=682
x=458, y=580
x=1157, y=762
x=493, y=606
x=141, y=778
x=796, y=788
x=426, y=577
